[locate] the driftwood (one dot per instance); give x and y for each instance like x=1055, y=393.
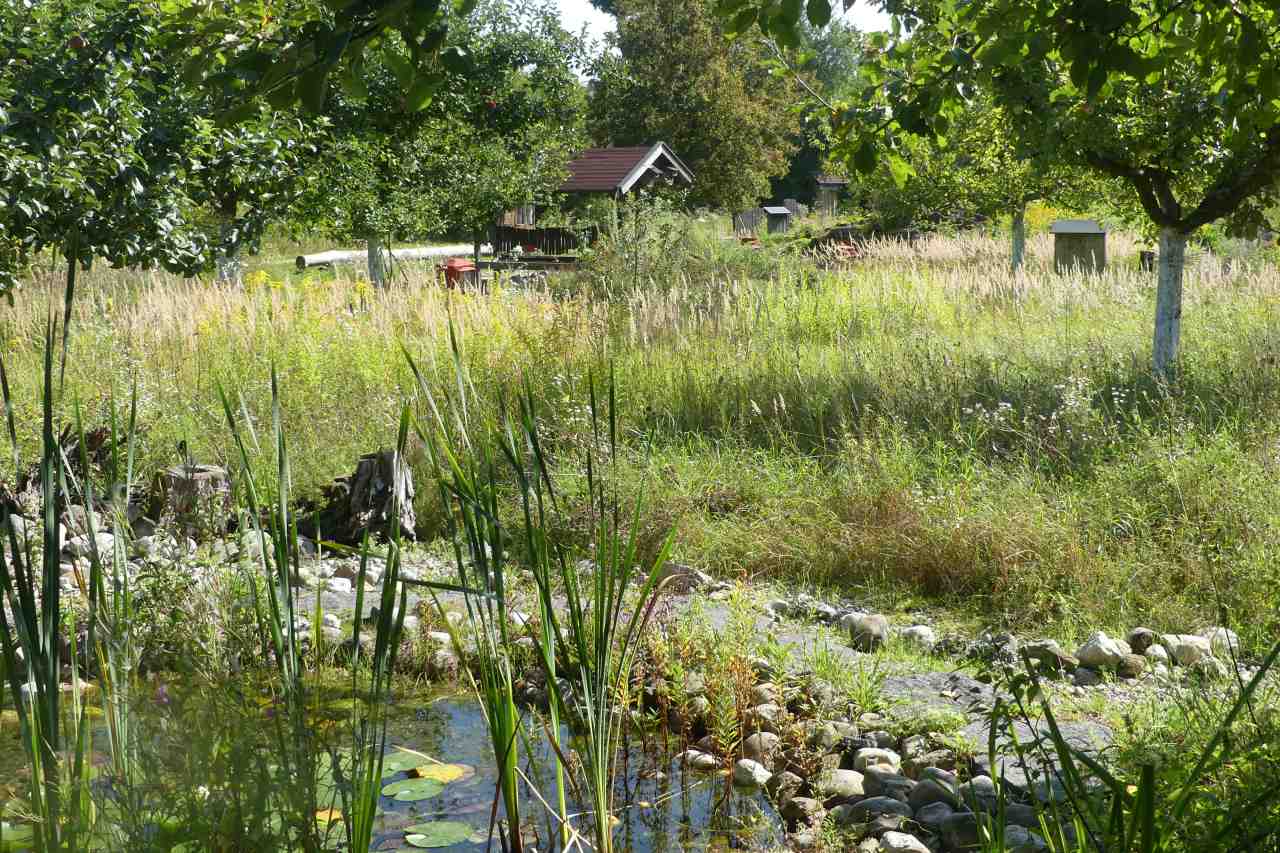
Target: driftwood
x=366, y=500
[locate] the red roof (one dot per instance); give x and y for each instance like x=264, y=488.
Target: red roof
x=618, y=169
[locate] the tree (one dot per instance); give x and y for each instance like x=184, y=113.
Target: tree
x=719, y=103
x=1178, y=99
x=497, y=133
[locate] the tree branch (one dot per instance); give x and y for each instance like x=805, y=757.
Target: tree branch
x=1237, y=181
x=1139, y=178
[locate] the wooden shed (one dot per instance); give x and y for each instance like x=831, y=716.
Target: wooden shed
x=830, y=187
x=779, y=218
x=1078, y=244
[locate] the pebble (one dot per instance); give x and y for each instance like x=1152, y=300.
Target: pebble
x=868, y=756
x=750, y=774
x=901, y=842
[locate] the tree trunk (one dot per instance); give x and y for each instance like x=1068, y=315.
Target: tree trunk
x=377, y=261
x=1173, y=249
x=230, y=267
x=1019, y=229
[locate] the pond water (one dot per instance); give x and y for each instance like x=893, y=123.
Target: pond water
x=205, y=765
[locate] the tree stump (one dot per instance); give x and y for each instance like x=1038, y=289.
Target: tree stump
x=196, y=497
x=377, y=496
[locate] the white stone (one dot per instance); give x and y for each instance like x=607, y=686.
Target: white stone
x=921, y=636
x=1157, y=654
x=750, y=774
x=1186, y=649
x=331, y=621
x=696, y=760
x=82, y=546
x=1101, y=651
x=901, y=842
x=1224, y=642
x=868, y=756
x=338, y=586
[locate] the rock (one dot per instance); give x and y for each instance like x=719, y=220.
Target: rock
x=865, y=810
x=699, y=761
x=840, y=785
x=82, y=547
x=333, y=636
x=778, y=608
x=697, y=708
x=1050, y=657
x=1209, y=669
x=901, y=842
x=761, y=747
x=330, y=620
x=880, y=780
x=932, y=816
x=883, y=823
x=783, y=786
x=1102, y=652
x=943, y=759
x=1086, y=677
x=869, y=633
x=1223, y=642
x=804, y=840
x=1141, y=639
x=1157, y=654
x=338, y=586
x=762, y=718
x=1132, y=666
x=79, y=521
x=750, y=774
x=1186, y=649
x=1021, y=814
x=824, y=613
x=802, y=810
x=930, y=791
x=444, y=662
x=822, y=736
x=681, y=579
x=1019, y=839
x=764, y=694
x=979, y=794
x=960, y=832
x=868, y=845
x=920, y=636
x=868, y=756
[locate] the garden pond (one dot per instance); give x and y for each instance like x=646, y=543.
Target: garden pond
x=205, y=761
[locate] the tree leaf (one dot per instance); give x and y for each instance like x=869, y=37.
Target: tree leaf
x=864, y=159
x=819, y=12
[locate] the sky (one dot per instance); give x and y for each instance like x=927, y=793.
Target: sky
x=575, y=13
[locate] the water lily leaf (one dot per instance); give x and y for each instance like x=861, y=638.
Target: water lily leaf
x=16, y=836
x=328, y=815
x=411, y=790
x=399, y=761
x=441, y=833
x=442, y=773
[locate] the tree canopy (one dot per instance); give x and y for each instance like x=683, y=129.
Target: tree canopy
x=719, y=103
x=1178, y=99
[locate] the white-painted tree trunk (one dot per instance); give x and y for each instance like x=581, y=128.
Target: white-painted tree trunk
x=230, y=268
x=1173, y=250
x=377, y=261
x=1019, y=229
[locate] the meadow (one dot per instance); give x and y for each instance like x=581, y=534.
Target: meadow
x=915, y=427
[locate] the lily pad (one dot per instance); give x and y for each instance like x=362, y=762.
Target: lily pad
x=400, y=760
x=440, y=833
x=442, y=773
x=412, y=790
x=16, y=836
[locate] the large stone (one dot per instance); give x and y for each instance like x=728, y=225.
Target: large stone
x=960, y=832
x=1132, y=666
x=802, y=810
x=884, y=781
x=872, y=807
x=930, y=791
x=867, y=756
x=699, y=761
x=1102, y=652
x=761, y=746
x=1141, y=639
x=1019, y=839
x=868, y=633
x=1086, y=676
x=1157, y=654
x=83, y=547
x=1186, y=649
x=979, y=794
x=920, y=636
x=932, y=816
x=1223, y=642
x=840, y=784
x=750, y=774
x=783, y=786
x=1050, y=657
x=901, y=842
x=762, y=718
